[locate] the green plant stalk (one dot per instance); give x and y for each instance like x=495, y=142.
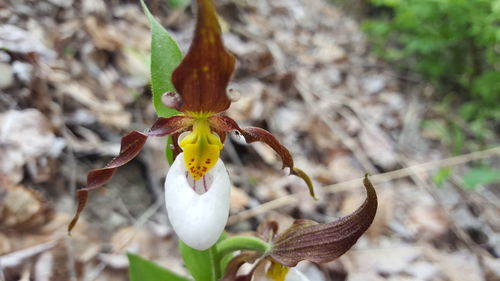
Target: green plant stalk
x=217, y=271
x=237, y=243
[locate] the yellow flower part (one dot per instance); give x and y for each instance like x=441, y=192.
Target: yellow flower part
x=201, y=148
x=277, y=272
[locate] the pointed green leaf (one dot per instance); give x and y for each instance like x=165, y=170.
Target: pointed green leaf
x=165, y=57
x=143, y=270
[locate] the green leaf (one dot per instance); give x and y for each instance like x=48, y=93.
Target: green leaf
x=203, y=264
x=143, y=270
x=199, y=263
x=177, y=4
x=478, y=176
x=437, y=129
x=442, y=175
x=169, y=153
x=165, y=57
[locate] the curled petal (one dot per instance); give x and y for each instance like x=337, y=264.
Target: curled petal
x=235, y=264
x=131, y=145
x=198, y=219
x=169, y=126
x=268, y=229
x=202, y=77
x=176, y=149
x=253, y=134
x=319, y=243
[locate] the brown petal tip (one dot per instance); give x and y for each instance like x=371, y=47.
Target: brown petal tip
x=301, y=174
x=320, y=243
x=82, y=197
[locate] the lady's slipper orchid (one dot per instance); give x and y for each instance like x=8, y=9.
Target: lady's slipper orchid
x=201, y=205
x=201, y=80
x=305, y=240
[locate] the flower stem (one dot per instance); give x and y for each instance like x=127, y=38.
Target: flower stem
x=237, y=243
x=215, y=263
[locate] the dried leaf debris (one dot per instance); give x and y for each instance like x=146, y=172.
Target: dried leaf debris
x=74, y=77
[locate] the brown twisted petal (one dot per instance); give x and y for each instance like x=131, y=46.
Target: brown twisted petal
x=253, y=134
x=203, y=75
x=249, y=276
x=175, y=141
x=131, y=145
x=267, y=230
x=319, y=243
x=235, y=264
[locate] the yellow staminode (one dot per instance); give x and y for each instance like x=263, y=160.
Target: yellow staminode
x=201, y=148
x=277, y=272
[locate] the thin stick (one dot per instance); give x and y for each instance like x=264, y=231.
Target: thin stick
x=379, y=178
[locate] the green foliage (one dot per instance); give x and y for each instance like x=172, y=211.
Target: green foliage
x=453, y=43
x=483, y=175
x=177, y=4
x=199, y=263
x=204, y=265
x=165, y=57
x=442, y=175
x=143, y=270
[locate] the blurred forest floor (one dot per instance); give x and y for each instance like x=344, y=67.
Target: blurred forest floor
x=74, y=79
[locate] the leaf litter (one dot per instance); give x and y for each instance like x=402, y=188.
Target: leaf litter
x=74, y=80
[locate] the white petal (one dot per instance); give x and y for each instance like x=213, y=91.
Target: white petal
x=197, y=219
x=295, y=275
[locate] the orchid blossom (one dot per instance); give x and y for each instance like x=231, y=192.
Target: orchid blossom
x=304, y=240
x=197, y=185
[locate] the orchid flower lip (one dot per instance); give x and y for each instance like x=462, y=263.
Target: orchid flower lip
x=198, y=214
x=201, y=148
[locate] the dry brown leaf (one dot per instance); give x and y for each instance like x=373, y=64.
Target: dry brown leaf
x=25, y=136
x=457, y=266
x=429, y=221
x=396, y=259
x=18, y=40
x=239, y=199
x=107, y=112
x=344, y=168
x=105, y=37
x=23, y=209
x=379, y=148
x=4, y=243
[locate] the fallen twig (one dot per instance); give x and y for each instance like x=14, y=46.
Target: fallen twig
x=378, y=178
